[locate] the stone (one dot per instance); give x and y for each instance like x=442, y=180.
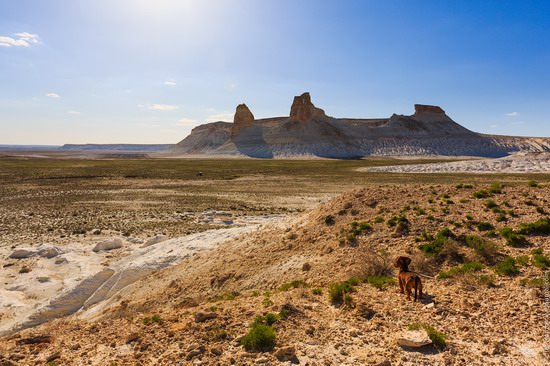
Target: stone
x=61, y=260
x=48, y=252
x=96, y=231
x=109, y=244
x=377, y=361
x=414, y=338
x=154, y=240
x=134, y=337
x=287, y=353
x=21, y=254
x=202, y=317
x=422, y=108
x=195, y=352
x=243, y=118
x=216, y=350
x=34, y=340
x=303, y=110
x=53, y=357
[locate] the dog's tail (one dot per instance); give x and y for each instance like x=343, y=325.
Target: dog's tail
x=416, y=279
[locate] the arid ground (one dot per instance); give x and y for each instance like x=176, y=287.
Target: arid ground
x=339, y=225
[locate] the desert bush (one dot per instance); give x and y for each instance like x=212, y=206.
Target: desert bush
x=436, y=246
x=267, y=319
x=500, y=218
x=495, y=188
x=459, y=270
x=540, y=260
x=329, y=220
x=395, y=220
x=317, y=291
x=507, y=267
x=439, y=340
x=378, y=220
x=483, y=247
x=540, y=210
x=513, y=239
x=424, y=237
x=522, y=260
x=469, y=217
x=538, y=282
x=481, y=194
x=380, y=282
x=152, y=319
x=360, y=227
x=484, y=226
x=291, y=285
x=490, y=204
x=260, y=338
x=337, y=291
x=539, y=227
x=532, y=183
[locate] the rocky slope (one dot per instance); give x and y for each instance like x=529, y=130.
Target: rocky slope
x=308, y=131
x=195, y=313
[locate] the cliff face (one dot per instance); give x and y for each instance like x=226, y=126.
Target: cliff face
x=308, y=131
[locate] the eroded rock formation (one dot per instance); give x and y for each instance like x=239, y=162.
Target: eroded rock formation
x=422, y=108
x=303, y=110
x=243, y=118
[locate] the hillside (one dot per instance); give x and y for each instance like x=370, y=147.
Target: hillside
x=308, y=131
x=197, y=311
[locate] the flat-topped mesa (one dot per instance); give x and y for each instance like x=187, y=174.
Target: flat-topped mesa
x=243, y=118
x=303, y=110
x=422, y=108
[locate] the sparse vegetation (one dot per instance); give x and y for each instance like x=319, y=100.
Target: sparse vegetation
x=485, y=248
x=436, y=246
x=507, y=267
x=481, y=194
x=495, y=188
x=539, y=227
x=329, y=220
x=152, y=319
x=463, y=269
x=513, y=239
x=484, y=226
x=291, y=285
x=317, y=291
x=540, y=260
x=260, y=338
x=380, y=282
x=532, y=184
x=438, y=339
x=490, y=204
x=337, y=291
x=397, y=220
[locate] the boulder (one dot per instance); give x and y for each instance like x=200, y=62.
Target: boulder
x=243, y=118
x=48, y=252
x=21, y=254
x=303, y=110
x=202, y=317
x=414, y=338
x=108, y=244
x=154, y=240
x=287, y=353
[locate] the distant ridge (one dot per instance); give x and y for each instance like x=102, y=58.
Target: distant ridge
x=117, y=147
x=308, y=131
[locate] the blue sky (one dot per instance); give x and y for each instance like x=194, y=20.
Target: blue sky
x=147, y=71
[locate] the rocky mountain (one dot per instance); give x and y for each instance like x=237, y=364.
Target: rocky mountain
x=308, y=131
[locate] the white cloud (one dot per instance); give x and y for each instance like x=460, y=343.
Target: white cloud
x=73, y=112
x=220, y=117
x=52, y=95
x=23, y=39
x=186, y=122
x=512, y=114
x=162, y=107
x=169, y=82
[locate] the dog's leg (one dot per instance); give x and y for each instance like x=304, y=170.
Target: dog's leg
x=416, y=279
x=420, y=294
x=401, y=285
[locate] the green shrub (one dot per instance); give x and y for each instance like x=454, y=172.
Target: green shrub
x=380, y=282
x=490, y=204
x=267, y=319
x=468, y=186
x=463, y=269
x=482, y=246
x=360, y=228
x=378, y=220
x=495, y=188
x=439, y=340
x=337, y=291
x=540, y=210
x=291, y=285
x=424, y=237
x=507, y=267
x=469, y=217
x=481, y=194
x=436, y=246
x=522, y=260
x=538, y=282
x=513, y=239
x=395, y=220
x=501, y=218
x=532, y=183
x=539, y=227
x=152, y=319
x=484, y=226
x=540, y=260
x=260, y=338
x=317, y=291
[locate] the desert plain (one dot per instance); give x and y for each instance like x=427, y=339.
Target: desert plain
x=136, y=261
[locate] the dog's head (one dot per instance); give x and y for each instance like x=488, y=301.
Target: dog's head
x=402, y=263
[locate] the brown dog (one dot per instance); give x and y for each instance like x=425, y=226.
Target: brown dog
x=408, y=279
